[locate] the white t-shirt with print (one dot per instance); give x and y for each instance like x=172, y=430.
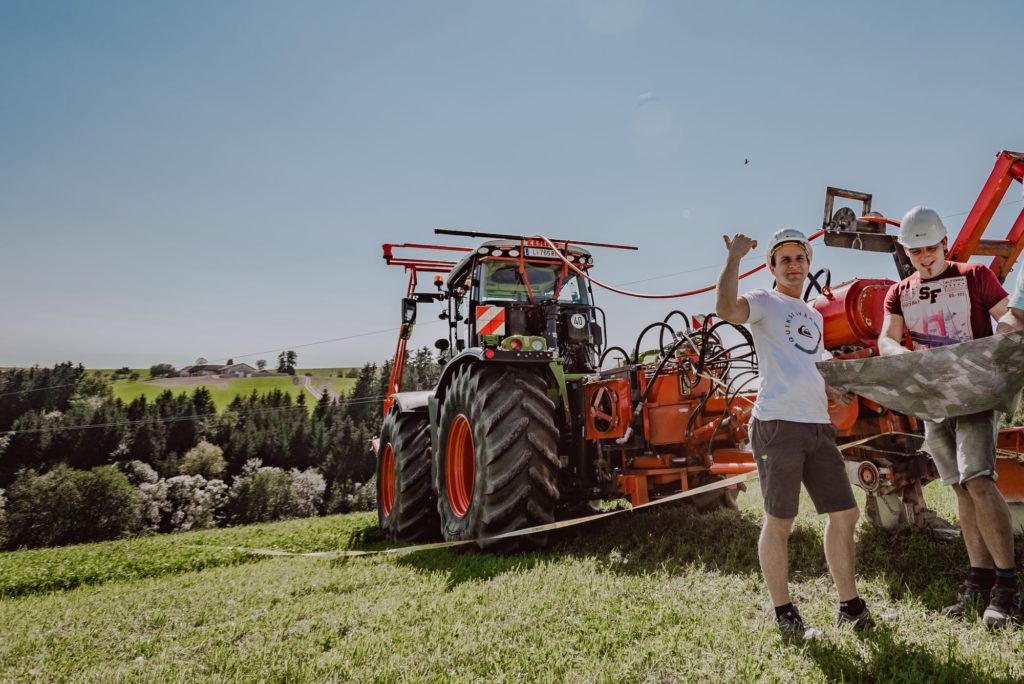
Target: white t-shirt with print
x=787, y=339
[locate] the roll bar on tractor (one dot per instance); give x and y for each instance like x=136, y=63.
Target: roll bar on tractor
x=413, y=266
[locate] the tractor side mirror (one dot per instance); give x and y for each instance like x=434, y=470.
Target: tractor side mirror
x=442, y=344
x=408, y=316
x=408, y=311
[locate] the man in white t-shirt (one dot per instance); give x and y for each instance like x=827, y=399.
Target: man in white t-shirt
x=791, y=435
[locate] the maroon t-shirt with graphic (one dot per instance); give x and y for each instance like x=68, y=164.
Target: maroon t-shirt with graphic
x=949, y=308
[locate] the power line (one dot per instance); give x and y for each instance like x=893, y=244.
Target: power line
x=387, y=330
x=179, y=419
x=755, y=256
x=37, y=389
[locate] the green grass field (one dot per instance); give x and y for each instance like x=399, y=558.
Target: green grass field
x=222, y=396
x=224, y=391
x=661, y=595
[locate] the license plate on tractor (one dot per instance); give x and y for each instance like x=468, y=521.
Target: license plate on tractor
x=540, y=252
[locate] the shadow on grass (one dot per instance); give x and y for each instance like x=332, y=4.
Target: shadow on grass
x=891, y=660
x=669, y=538
x=469, y=566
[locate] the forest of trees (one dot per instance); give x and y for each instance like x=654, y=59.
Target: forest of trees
x=55, y=422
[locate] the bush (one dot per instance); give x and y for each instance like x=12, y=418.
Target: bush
x=260, y=494
x=185, y=502
x=204, y=459
x=349, y=496
x=162, y=370
x=308, y=486
x=138, y=472
x=67, y=506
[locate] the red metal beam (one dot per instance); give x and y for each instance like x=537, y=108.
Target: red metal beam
x=1009, y=166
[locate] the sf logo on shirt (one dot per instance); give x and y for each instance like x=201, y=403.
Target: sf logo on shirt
x=929, y=294
x=802, y=332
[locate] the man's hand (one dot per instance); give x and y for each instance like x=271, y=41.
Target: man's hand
x=838, y=397
x=1012, y=320
x=728, y=306
x=739, y=246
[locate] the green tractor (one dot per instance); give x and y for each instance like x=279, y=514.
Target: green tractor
x=493, y=447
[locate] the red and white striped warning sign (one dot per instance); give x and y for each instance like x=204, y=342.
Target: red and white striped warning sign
x=490, y=320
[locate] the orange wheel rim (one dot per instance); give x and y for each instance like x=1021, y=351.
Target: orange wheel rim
x=387, y=479
x=460, y=466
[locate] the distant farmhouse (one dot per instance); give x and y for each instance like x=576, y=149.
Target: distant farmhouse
x=235, y=370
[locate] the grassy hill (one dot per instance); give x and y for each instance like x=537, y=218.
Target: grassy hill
x=224, y=390
x=660, y=595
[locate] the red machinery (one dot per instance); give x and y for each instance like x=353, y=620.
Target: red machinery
x=891, y=468
x=663, y=421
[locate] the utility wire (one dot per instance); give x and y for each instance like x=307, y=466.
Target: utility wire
x=37, y=389
x=387, y=330
x=179, y=419
x=756, y=256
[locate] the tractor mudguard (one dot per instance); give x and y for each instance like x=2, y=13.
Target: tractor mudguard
x=406, y=402
x=470, y=355
x=476, y=355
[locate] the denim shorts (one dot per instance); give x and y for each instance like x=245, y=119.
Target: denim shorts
x=789, y=453
x=963, y=447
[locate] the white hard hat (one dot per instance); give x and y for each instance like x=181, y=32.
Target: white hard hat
x=921, y=227
x=785, y=235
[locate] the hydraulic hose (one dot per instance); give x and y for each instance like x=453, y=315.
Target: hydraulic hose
x=674, y=295
x=675, y=312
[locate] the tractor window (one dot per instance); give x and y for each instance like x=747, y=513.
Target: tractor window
x=503, y=281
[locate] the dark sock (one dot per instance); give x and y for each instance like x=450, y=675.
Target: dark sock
x=854, y=606
x=983, y=577
x=1006, y=578
x=782, y=610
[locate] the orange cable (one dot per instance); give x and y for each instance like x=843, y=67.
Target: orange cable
x=641, y=295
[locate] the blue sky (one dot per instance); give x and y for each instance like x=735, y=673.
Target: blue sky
x=216, y=179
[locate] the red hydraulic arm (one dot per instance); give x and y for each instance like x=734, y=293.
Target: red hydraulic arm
x=413, y=267
x=1008, y=168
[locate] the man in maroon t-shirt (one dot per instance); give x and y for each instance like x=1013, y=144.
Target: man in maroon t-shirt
x=946, y=303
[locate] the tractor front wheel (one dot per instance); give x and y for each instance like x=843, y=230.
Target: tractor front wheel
x=498, y=462
x=406, y=506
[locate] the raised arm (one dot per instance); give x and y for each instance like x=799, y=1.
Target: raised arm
x=728, y=305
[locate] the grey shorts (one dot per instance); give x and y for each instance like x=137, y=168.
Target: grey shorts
x=789, y=453
x=963, y=447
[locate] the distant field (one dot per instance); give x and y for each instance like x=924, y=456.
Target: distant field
x=327, y=372
x=225, y=390
x=316, y=372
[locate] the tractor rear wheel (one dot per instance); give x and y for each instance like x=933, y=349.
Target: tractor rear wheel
x=406, y=505
x=498, y=462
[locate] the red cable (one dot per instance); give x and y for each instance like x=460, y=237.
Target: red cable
x=641, y=295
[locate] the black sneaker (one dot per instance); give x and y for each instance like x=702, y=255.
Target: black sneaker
x=1003, y=606
x=792, y=626
x=970, y=601
x=860, y=622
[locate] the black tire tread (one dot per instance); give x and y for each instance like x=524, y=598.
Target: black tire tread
x=513, y=423
x=414, y=513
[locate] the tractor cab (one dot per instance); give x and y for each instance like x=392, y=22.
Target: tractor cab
x=522, y=302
